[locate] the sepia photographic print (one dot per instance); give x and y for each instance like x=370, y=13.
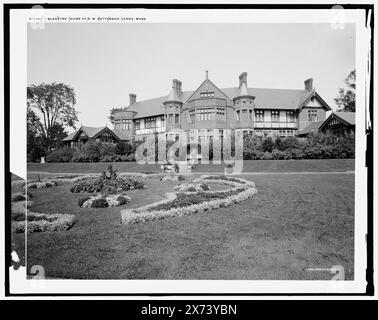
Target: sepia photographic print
x=226, y=148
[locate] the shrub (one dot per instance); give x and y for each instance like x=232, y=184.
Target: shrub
x=82, y=200
x=315, y=146
x=18, y=197
x=99, y=203
x=205, y=187
x=267, y=145
x=122, y=200
x=106, y=186
x=64, y=154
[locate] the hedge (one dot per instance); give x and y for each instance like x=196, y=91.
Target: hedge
x=315, y=146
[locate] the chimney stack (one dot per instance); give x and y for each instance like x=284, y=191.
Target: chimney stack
x=132, y=98
x=177, y=85
x=243, y=79
x=309, y=84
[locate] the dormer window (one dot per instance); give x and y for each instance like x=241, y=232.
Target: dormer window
x=205, y=95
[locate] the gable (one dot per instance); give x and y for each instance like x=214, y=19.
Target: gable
x=335, y=118
x=209, y=88
x=313, y=103
x=107, y=132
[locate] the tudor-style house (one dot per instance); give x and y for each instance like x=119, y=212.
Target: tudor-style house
x=101, y=134
x=209, y=110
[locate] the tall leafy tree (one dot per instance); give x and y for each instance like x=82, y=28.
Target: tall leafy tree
x=35, y=142
x=346, y=101
x=56, y=103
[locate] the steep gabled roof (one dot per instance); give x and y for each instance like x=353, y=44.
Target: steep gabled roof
x=121, y=134
x=208, y=86
x=312, y=127
x=89, y=131
x=70, y=136
x=348, y=118
x=311, y=94
x=92, y=132
x=264, y=99
x=273, y=98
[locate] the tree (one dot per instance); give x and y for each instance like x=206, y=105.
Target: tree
x=57, y=134
x=35, y=143
x=56, y=102
x=346, y=101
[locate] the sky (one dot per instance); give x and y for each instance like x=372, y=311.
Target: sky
x=105, y=62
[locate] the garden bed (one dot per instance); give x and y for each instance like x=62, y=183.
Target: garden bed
x=107, y=186
x=192, y=201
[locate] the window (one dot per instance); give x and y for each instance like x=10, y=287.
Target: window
x=192, y=134
x=137, y=124
x=150, y=123
x=221, y=114
x=250, y=115
x=207, y=95
x=125, y=124
x=282, y=133
x=192, y=116
x=177, y=119
x=170, y=119
x=275, y=116
x=259, y=115
x=238, y=115
x=290, y=133
x=244, y=114
x=290, y=116
x=205, y=114
x=312, y=115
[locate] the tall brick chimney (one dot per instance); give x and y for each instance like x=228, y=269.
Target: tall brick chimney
x=243, y=79
x=309, y=84
x=132, y=98
x=177, y=85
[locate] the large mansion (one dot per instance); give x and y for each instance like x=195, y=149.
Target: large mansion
x=209, y=110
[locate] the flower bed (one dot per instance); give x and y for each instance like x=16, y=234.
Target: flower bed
x=192, y=187
x=41, y=184
x=185, y=203
x=40, y=222
x=24, y=219
x=225, y=178
x=107, y=186
x=102, y=201
x=172, y=178
x=20, y=196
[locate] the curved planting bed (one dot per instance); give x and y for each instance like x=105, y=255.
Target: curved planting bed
x=193, y=200
x=106, y=192
x=24, y=219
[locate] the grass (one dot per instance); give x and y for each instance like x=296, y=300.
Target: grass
x=248, y=166
x=295, y=222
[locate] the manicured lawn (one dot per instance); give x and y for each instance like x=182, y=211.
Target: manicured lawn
x=294, y=222
x=248, y=166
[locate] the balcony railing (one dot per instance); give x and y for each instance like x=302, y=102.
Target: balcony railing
x=270, y=124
